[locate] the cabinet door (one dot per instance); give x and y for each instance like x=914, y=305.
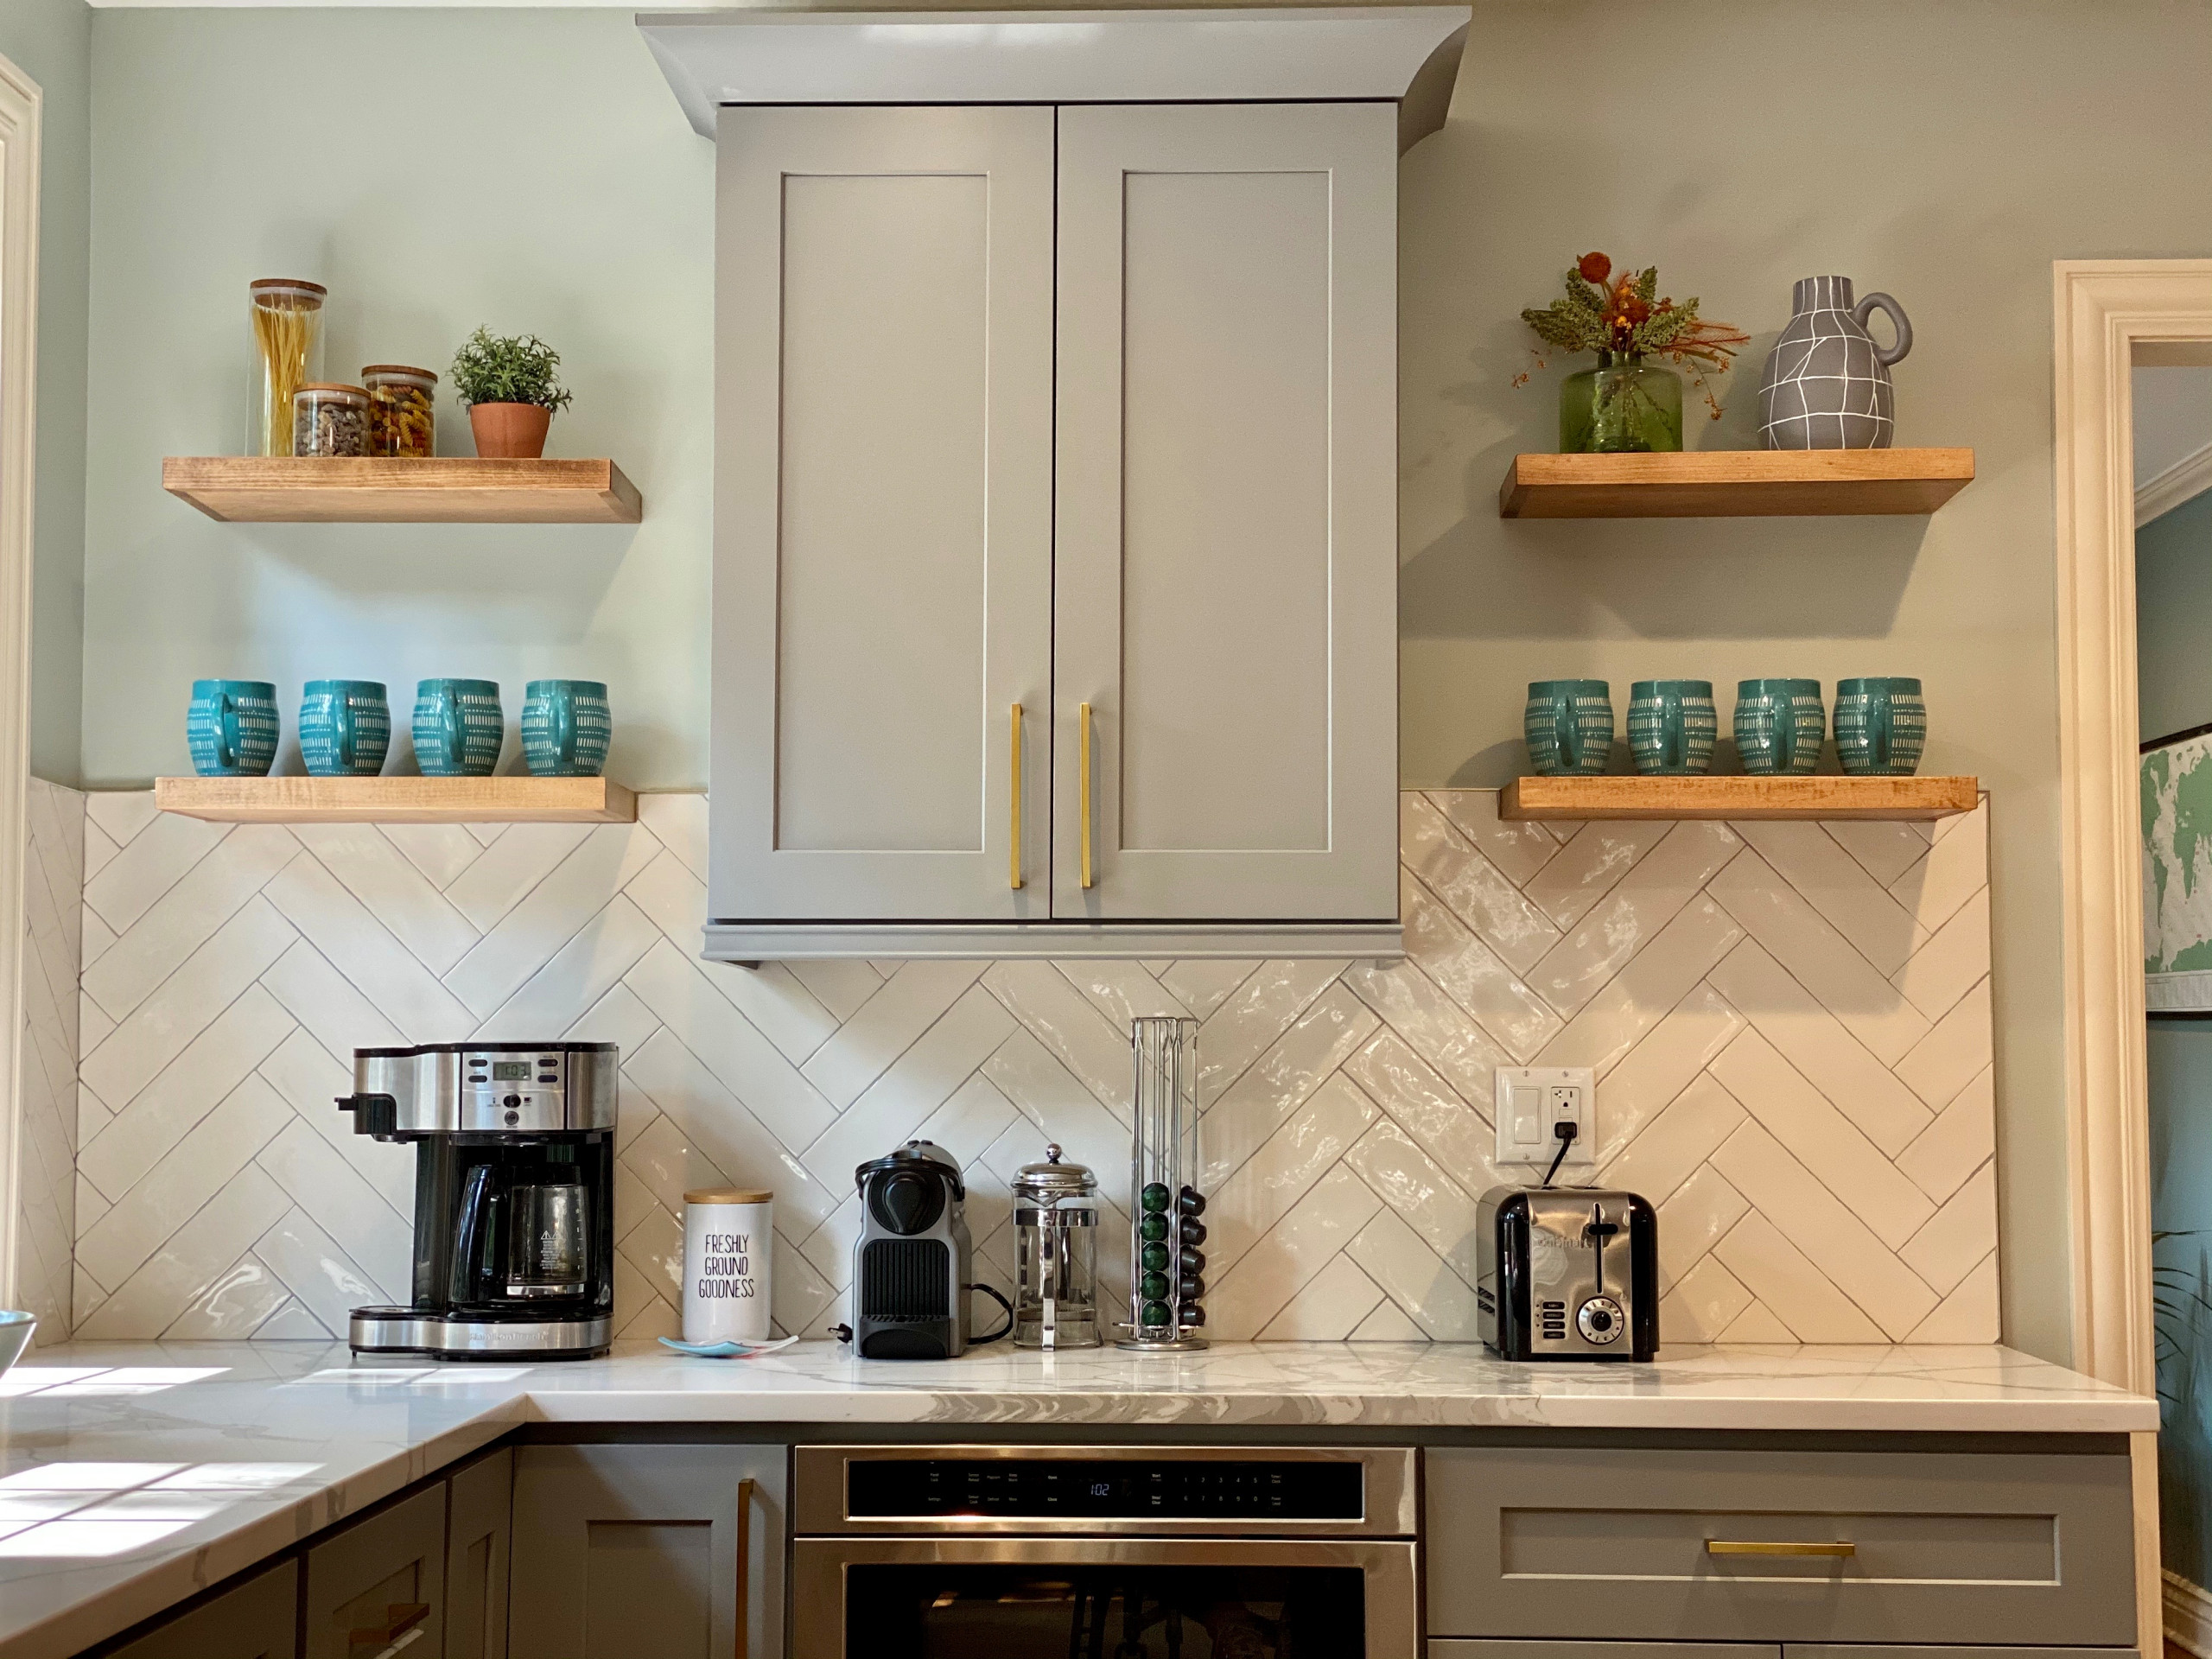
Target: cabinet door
x=1225, y=595
x=883, y=494
x=1446, y=1648
x=258, y=1619
x=379, y=1582
x=676, y=1551
x=477, y=1518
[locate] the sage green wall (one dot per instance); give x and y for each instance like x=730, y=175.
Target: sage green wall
x=528, y=168
x=1944, y=150
x=437, y=169
x=50, y=40
x=2173, y=619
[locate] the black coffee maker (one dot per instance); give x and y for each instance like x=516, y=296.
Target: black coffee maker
x=514, y=1197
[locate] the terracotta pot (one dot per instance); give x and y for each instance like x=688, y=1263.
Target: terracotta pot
x=509, y=431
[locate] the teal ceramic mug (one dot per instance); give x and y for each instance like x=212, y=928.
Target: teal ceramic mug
x=1779, y=725
x=232, y=728
x=344, y=727
x=565, y=728
x=1881, y=727
x=1569, y=726
x=459, y=726
x=1671, y=727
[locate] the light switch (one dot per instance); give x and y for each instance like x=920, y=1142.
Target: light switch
x=1531, y=1101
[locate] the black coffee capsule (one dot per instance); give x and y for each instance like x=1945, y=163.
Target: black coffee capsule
x=1194, y=1232
x=1193, y=1263
x=1191, y=1201
x=1191, y=1314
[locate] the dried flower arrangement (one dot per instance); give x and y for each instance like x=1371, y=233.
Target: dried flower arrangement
x=1623, y=317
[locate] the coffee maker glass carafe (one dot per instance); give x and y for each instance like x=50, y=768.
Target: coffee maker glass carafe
x=524, y=1232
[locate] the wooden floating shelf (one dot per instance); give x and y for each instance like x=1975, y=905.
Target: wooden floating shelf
x=1737, y=798
x=1734, y=484
x=396, y=800
x=442, y=490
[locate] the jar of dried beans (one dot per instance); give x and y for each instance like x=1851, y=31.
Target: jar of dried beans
x=402, y=422
x=330, y=420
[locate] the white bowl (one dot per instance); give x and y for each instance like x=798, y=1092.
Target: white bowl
x=15, y=1336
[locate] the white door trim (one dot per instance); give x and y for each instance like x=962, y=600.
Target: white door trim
x=2184, y=481
x=19, y=183
x=2109, y=316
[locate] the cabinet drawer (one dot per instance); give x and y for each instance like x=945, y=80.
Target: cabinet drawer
x=1450, y=1648
x=257, y=1619
x=379, y=1580
x=2024, y=1548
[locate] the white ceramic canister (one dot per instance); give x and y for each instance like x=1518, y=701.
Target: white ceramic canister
x=727, y=1238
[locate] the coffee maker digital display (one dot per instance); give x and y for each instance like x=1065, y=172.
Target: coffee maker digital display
x=514, y=1197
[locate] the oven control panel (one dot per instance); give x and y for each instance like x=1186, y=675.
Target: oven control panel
x=1179, y=1489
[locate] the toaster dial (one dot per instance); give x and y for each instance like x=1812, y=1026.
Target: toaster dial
x=1599, y=1320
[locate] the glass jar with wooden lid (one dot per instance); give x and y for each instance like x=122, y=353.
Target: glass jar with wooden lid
x=287, y=315
x=401, y=417
x=330, y=419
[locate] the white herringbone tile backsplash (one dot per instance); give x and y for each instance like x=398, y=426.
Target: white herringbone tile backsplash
x=45, y=1227
x=1790, y=1023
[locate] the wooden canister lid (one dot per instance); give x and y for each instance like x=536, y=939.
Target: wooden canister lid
x=727, y=1195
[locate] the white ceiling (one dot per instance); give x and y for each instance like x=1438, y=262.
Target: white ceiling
x=2173, y=418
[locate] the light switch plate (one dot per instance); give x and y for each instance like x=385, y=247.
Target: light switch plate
x=1530, y=1099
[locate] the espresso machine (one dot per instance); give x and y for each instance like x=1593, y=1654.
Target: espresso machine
x=514, y=1197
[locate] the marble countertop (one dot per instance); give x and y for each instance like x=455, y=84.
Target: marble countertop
x=138, y=1474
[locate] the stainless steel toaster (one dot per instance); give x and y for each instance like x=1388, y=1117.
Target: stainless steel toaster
x=1566, y=1273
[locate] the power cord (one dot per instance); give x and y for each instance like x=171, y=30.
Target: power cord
x=1565, y=1130
x=1004, y=1331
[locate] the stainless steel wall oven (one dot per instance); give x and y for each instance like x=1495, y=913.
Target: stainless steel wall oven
x=1112, y=1552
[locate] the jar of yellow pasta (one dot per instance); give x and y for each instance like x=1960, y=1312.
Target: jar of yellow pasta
x=402, y=419
x=287, y=355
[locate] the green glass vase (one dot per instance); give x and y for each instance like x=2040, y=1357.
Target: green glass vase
x=1621, y=405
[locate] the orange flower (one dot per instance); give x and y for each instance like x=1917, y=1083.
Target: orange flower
x=1594, y=267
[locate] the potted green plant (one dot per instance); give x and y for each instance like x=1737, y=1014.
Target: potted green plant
x=509, y=384
x=1627, y=403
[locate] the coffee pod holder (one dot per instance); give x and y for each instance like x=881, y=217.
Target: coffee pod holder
x=1166, y=1262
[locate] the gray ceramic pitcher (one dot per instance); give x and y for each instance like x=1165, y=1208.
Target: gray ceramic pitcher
x=1826, y=384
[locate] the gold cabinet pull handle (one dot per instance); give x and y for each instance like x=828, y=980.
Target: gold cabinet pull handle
x=1082, y=792
x=1013, y=854
x=1762, y=1547
x=745, y=1494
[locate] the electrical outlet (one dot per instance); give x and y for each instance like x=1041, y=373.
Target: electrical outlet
x=1531, y=1101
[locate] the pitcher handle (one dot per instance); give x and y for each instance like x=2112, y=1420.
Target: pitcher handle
x=226, y=732
x=449, y=723
x=1877, y=728
x=1890, y=308
x=341, y=729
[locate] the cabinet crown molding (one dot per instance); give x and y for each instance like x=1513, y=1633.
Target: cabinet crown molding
x=1215, y=55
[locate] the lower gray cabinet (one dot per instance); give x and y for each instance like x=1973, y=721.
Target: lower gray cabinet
x=672, y=1551
x=478, y=1523
x=258, y=1619
x=1884, y=1549
x=1463, y=1649
x=1803, y=1650
x=371, y=1587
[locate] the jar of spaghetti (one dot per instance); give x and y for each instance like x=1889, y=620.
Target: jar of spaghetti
x=287, y=355
x=330, y=420
x=402, y=421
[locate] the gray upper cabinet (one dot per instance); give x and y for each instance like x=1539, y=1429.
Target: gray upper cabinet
x=1226, y=545
x=883, y=562
x=1055, y=547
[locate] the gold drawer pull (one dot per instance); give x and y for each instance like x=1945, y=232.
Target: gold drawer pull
x=1726, y=1546
x=1013, y=856
x=1083, y=791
